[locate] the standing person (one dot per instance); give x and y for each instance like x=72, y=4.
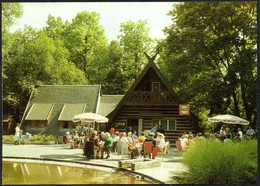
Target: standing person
x=85, y=129
x=134, y=136
x=79, y=128
x=107, y=145
x=222, y=132
x=153, y=130
x=20, y=138
x=240, y=133
x=112, y=132
x=103, y=127
x=17, y=133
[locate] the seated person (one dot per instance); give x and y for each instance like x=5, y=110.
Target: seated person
x=82, y=139
x=124, y=146
x=160, y=144
x=76, y=139
x=129, y=137
x=141, y=138
x=69, y=139
x=150, y=138
x=116, y=139
x=250, y=132
x=107, y=145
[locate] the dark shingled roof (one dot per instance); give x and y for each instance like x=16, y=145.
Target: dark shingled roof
x=70, y=110
x=39, y=111
x=60, y=96
x=108, y=103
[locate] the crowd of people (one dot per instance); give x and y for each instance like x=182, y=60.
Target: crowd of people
x=115, y=141
x=225, y=134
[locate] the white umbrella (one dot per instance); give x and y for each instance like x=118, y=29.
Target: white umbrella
x=229, y=119
x=90, y=117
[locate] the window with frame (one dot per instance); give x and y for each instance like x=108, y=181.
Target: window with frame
x=167, y=124
x=156, y=86
x=172, y=125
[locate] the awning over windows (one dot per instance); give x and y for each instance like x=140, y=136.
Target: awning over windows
x=39, y=111
x=70, y=110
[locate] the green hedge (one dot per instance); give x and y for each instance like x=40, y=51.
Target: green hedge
x=212, y=162
x=39, y=138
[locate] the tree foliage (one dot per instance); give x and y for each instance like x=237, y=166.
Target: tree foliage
x=135, y=40
x=210, y=56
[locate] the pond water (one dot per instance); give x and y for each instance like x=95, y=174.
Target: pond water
x=35, y=173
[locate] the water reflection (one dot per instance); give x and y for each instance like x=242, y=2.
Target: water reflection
x=34, y=173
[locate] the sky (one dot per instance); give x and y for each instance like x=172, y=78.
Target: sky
x=112, y=14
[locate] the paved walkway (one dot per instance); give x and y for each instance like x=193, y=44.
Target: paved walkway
x=171, y=165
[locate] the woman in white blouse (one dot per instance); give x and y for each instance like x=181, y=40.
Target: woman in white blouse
x=160, y=144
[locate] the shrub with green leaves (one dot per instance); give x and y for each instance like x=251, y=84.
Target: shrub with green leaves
x=38, y=138
x=8, y=137
x=213, y=162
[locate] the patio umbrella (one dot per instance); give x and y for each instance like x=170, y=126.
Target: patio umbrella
x=90, y=117
x=229, y=119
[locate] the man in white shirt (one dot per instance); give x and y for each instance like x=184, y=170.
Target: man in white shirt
x=184, y=142
x=240, y=133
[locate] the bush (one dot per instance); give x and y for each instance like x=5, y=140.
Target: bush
x=8, y=137
x=51, y=138
x=212, y=162
x=38, y=138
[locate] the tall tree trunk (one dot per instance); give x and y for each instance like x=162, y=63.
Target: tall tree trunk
x=236, y=108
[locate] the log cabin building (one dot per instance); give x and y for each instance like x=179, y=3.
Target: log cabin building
x=149, y=101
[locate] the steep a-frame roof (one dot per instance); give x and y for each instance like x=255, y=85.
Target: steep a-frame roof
x=139, y=79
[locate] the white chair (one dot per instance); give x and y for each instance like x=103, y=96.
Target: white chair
x=165, y=150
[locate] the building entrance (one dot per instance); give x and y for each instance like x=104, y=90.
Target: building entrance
x=132, y=125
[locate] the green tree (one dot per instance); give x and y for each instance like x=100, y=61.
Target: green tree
x=35, y=60
x=85, y=38
x=210, y=56
x=135, y=40
x=115, y=81
x=55, y=27
x=10, y=12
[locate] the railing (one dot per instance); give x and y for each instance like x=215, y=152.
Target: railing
x=150, y=97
